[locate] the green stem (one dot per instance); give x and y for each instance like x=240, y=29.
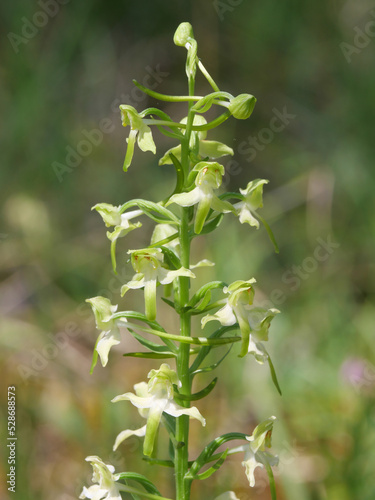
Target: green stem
x=183, y=358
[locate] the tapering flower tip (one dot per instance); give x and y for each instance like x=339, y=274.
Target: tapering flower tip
x=182, y=34
x=242, y=106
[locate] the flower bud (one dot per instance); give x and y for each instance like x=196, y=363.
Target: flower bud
x=183, y=32
x=242, y=106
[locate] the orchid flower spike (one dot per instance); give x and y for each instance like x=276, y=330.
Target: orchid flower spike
x=256, y=454
x=138, y=131
x=253, y=199
x=159, y=399
x=103, y=311
x=147, y=263
x=208, y=179
x=103, y=474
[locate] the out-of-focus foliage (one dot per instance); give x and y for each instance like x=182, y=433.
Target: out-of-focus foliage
x=56, y=86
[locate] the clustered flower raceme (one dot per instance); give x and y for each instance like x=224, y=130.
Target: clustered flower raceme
x=199, y=178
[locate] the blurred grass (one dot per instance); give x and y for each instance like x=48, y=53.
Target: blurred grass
x=54, y=252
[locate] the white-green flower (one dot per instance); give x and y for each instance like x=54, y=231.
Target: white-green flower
x=240, y=297
x=256, y=454
x=112, y=216
x=159, y=399
x=148, y=264
x=103, y=474
x=253, y=199
x=253, y=321
x=103, y=311
x=138, y=131
x=208, y=179
x=259, y=320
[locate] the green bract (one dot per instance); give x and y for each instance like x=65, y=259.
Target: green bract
x=196, y=206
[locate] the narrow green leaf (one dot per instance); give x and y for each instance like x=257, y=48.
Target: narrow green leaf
x=172, y=304
x=271, y=480
x=180, y=174
x=270, y=233
x=206, y=474
x=273, y=375
x=149, y=206
x=156, y=461
x=139, y=478
x=212, y=224
x=94, y=356
x=150, y=345
x=203, y=353
x=150, y=355
x=171, y=257
x=198, y=395
x=208, y=451
x=200, y=294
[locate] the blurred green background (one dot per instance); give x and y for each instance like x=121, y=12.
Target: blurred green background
x=64, y=72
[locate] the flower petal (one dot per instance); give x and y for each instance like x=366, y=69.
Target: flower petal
x=108, y=339
x=130, y=149
x=176, y=410
x=150, y=299
x=214, y=149
x=138, y=401
x=187, y=199
x=166, y=159
x=138, y=281
x=166, y=276
x=225, y=315
x=126, y=434
x=145, y=139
